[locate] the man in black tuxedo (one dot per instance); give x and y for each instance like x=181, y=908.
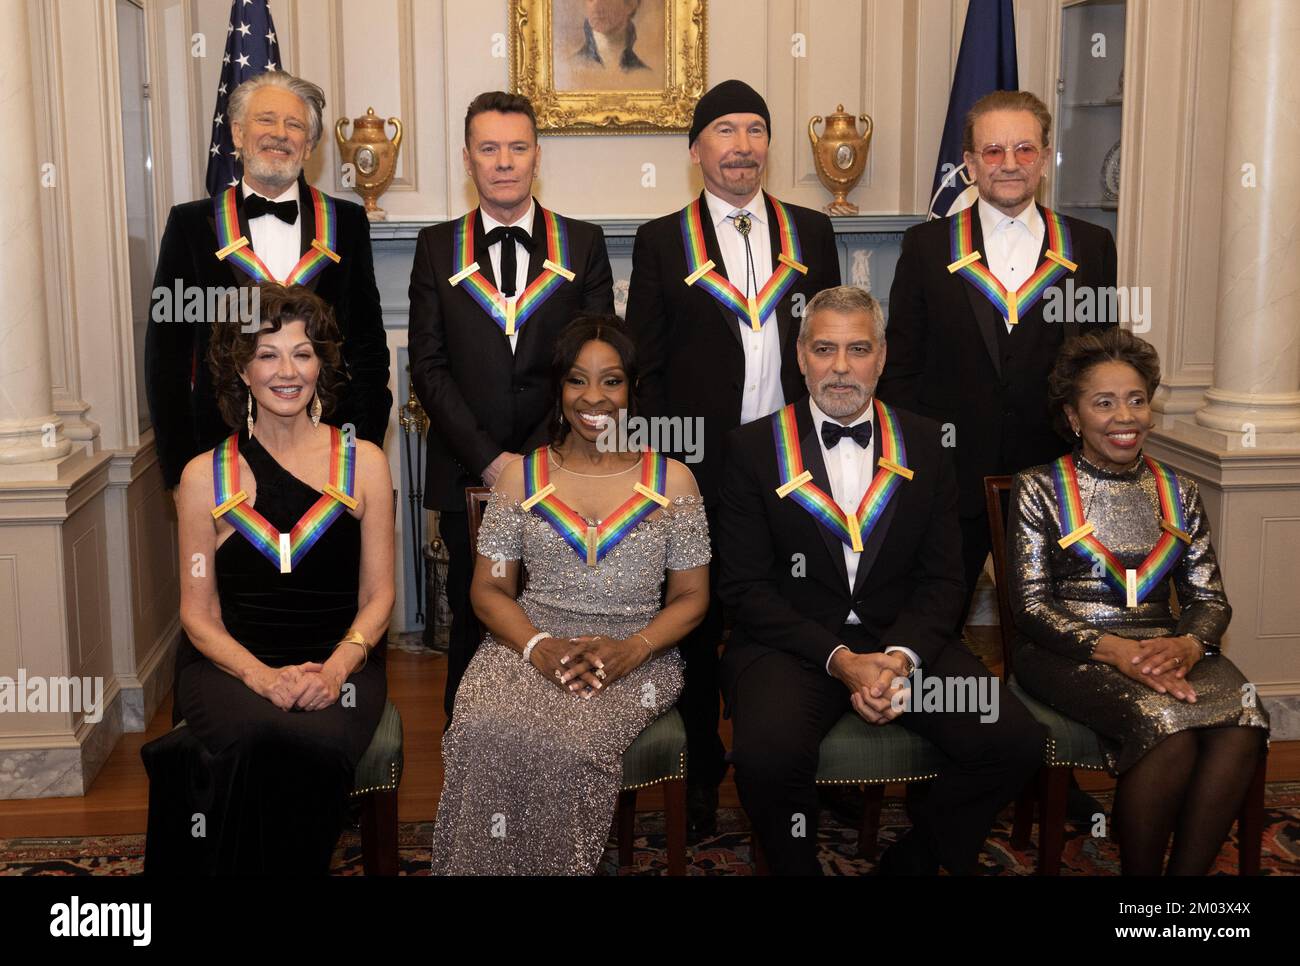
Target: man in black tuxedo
x=482, y=371
x=823, y=627
x=957, y=353
x=275, y=121
x=705, y=355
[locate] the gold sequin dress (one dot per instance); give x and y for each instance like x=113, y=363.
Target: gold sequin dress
x=531, y=773
x=1061, y=609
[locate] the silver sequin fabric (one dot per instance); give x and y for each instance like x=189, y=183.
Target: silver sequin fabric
x=1062, y=606
x=532, y=773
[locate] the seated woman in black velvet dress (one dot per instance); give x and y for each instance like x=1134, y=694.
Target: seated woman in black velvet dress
x=286, y=549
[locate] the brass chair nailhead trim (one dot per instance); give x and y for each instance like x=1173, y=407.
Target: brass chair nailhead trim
x=681, y=773
x=394, y=776
x=873, y=781
x=1049, y=759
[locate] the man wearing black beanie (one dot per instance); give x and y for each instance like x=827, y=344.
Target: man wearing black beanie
x=714, y=304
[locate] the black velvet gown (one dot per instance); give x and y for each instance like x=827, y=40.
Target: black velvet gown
x=246, y=788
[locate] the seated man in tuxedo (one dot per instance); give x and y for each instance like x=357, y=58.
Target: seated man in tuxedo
x=841, y=554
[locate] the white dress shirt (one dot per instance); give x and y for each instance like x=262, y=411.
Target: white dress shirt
x=761, y=393
x=851, y=468
x=277, y=243
x=524, y=221
x=1011, y=244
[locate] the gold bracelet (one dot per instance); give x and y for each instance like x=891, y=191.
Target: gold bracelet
x=354, y=636
x=647, y=642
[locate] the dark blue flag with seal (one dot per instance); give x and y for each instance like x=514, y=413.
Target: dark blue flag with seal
x=251, y=49
x=985, y=63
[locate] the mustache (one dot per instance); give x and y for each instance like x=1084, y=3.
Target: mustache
x=741, y=163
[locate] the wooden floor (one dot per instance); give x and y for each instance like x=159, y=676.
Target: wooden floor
x=118, y=800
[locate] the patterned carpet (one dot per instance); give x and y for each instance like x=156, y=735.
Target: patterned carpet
x=727, y=853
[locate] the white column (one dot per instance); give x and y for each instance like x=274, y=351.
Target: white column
x=1257, y=331
x=28, y=425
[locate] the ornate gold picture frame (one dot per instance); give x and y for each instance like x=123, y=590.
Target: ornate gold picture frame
x=609, y=66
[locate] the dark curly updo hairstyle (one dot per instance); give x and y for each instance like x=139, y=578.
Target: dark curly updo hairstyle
x=231, y=349
x=1081, y=355
x=609, y=329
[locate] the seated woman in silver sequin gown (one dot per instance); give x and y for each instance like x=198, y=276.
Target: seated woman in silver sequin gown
x=533, y=757
x=1096, y=637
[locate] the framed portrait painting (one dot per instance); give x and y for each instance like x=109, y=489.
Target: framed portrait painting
x=609, y=66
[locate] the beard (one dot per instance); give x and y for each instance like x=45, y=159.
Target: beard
x=1026, y=193
x=278, y=174
x=840, y=405
x=741, y=176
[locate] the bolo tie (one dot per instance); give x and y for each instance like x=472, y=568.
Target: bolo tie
x=744, y=225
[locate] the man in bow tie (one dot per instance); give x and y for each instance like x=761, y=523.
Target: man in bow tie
x=275, y=235
x=713, y=304
x=490, y=292
x=840, y=598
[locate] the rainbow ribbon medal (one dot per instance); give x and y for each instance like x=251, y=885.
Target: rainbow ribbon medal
x=589, y=541
x=285, y=550
x=1012, y=305
x=796, y=482
x=239, y=250
x=1135, y=585
x=511, y=315
x=703, y=269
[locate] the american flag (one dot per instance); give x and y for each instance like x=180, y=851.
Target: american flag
x=251, y=48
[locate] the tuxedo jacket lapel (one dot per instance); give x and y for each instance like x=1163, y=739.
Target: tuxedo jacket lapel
x=481, y=251
x=784, y=314
x=871, y=549
x=307, y=228
x=538, y=235
x=987, y=318
x=714, y=251
x=813, y=463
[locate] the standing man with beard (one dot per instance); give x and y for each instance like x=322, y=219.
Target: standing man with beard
x=714, y=294
x=490, y=292
x=864, y=495
x=272, y=226
x=970, y=344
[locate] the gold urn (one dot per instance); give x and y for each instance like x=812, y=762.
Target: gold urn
x=840, y=155
x=369, y=158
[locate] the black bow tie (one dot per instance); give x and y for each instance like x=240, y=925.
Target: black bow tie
x=502, y=232
x=255, y=206
x=832, y=433
x=509, y=266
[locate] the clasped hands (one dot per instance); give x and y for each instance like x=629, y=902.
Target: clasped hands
x=588, y=664
x=1161, y=663
x=310, y=686
x=874, y=681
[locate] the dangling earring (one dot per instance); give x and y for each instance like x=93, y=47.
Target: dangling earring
x=250, y=412
x=315, y=409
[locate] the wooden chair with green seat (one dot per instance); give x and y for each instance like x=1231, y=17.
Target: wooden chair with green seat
x=870, y=756
x=1073, y=745
x=656, y=757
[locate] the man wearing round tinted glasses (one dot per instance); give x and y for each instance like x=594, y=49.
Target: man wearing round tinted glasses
x=969, y=344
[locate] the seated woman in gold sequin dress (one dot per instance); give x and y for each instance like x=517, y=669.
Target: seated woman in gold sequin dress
x=576, y=664
x=1096, y=637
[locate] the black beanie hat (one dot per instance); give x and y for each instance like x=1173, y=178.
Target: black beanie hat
x=729, y=97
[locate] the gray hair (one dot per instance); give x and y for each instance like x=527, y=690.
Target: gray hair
x=311, y=95
x=845, y=299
